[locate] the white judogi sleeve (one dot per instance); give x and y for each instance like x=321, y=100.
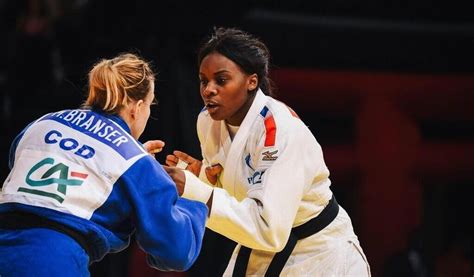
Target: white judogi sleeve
x=195, y=189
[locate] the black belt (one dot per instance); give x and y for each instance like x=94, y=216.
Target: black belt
x=311, y=227
x=24, y=220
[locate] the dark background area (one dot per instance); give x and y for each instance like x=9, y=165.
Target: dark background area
x=386, y=87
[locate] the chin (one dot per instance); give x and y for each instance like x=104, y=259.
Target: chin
x=216, y=116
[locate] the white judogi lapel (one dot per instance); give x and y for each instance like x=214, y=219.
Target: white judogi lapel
x=218, y=146
x=237, y=148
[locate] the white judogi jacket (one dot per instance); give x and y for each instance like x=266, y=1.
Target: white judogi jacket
x=274, y=179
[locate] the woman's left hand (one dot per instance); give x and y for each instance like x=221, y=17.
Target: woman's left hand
x=154, y=146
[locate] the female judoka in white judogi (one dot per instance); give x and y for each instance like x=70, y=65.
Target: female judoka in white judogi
x=273, y=194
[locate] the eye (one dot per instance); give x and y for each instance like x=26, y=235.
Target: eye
x=203, y=82
x=221, y=81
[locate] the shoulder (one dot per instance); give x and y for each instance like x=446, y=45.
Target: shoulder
x=283, y=132
x=278, y=115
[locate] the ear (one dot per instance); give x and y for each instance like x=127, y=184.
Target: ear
x=135, y=108
x=252, y=82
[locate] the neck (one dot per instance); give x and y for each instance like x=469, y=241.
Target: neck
x=239, y=116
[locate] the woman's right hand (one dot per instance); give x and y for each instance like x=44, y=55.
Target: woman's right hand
x=177, y=174
x=194, y=165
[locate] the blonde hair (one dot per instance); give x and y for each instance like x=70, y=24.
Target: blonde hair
x=113, y=83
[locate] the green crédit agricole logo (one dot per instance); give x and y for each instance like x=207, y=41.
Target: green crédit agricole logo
x=62, y=182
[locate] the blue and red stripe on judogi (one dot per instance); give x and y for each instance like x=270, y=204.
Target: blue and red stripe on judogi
x=270, y=126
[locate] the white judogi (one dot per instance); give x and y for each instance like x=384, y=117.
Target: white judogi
x=274, y=179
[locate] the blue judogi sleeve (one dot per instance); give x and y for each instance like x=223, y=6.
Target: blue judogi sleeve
x=169, y=228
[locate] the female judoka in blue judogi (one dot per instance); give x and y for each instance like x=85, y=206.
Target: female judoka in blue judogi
x=81, y=184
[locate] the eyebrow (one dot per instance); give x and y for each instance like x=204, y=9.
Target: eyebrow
x=218, y=72
x=221, y=71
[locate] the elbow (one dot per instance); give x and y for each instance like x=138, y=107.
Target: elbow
x=185, y=255
x=273, y=245
x=276, y=239
x=177, y=263
x=270, y=235
x=182, y=265
x=185, y=261
x=178, y=256
x=279, y=244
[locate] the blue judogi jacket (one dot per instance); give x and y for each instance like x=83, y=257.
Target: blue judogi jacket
x=83, y=169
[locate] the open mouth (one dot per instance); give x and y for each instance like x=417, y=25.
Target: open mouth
x=211, y=106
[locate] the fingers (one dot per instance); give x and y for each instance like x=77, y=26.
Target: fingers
x=212, y=173
x=169, y=169
x=154, y=146
x=183, y=156
x=155, y=143
x=182, y=164
x=180, y=159
x=184, y=161
x=214, y=170
x=171, y=160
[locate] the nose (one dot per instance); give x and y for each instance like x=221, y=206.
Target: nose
x=208, y=90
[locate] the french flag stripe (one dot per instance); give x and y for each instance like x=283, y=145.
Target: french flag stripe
x=264, y=111
x=270, y=129
x=270, y=126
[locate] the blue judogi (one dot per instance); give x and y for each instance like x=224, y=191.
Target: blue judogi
x=84, y=170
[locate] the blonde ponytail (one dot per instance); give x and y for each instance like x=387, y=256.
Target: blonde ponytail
x=113, y=83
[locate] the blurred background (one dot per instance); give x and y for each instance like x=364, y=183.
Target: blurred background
x=386, y=86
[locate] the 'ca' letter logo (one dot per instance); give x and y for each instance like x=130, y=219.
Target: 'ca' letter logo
x=46, y=179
